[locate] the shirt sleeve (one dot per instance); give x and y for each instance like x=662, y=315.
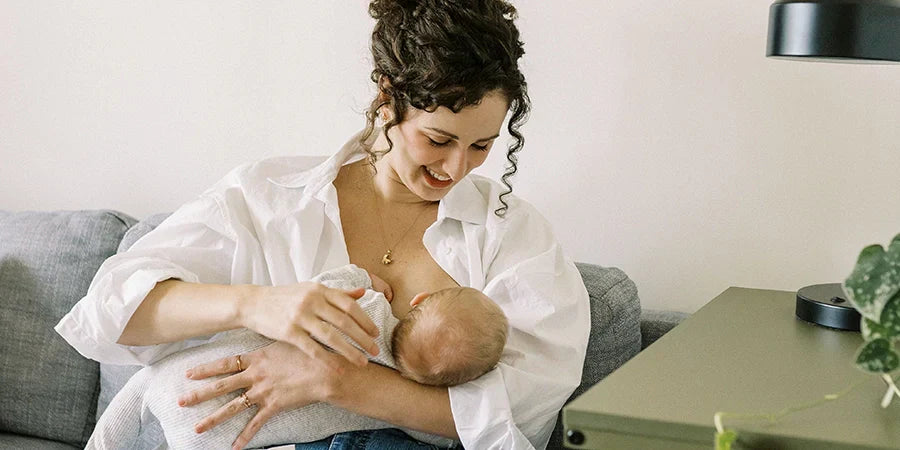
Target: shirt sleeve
x=194, y=244
x=542, y=293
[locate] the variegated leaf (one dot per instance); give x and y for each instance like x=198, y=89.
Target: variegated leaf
x=873, y=330
x=890, y=317
x=878, y=356
x=875, y=279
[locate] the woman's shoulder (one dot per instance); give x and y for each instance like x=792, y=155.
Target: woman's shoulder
x=274, y=167
x=253, y=174
x=517, y=209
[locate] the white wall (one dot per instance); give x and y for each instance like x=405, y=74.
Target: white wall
x=662, y=140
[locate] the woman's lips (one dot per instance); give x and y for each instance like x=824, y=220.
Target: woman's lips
x=434, y=182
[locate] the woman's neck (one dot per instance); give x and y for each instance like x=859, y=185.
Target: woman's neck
x=385, y=186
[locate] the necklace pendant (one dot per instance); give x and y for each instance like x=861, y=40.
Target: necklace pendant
x=386, y=259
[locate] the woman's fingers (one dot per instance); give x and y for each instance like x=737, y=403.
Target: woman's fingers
x=326, y=334
x=346, y=302
x=215, y=389
x=316, y=351
x=222, y=366
x=255, y=424
x=343, y=322
x=382, y=286
x=279, y=376
x=222, y=414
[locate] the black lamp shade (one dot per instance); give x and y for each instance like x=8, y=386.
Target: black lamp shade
x=835, y=30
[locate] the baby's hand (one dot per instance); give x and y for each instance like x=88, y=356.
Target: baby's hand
x=381, y=286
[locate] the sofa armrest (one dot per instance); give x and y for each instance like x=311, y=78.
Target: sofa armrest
x=655, y=323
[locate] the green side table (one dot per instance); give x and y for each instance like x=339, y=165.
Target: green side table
x=744, y=352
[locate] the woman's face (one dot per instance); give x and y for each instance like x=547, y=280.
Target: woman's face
x=434, y=150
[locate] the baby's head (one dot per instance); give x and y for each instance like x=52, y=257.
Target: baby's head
x=450, y=337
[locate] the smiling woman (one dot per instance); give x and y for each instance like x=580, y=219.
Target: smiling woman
x=429, y=152
x=398, y=200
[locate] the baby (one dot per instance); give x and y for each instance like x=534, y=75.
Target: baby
x=450, y=337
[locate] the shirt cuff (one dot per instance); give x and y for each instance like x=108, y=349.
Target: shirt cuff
x=96, y=322
x=483, y=415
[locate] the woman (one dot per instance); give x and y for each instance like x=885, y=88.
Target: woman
x=398, y=201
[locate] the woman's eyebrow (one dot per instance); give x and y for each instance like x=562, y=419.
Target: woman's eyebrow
x=453, y=136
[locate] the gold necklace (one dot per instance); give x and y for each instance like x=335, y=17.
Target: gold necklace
x=386, y=259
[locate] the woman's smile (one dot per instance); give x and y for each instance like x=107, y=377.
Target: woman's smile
x=435, y=180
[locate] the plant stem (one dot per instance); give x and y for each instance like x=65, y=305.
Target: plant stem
x=892, y=389
x=774, y=417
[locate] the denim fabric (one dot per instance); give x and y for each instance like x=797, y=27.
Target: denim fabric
x=386, y=439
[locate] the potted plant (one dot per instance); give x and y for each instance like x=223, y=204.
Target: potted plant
x=873, y=289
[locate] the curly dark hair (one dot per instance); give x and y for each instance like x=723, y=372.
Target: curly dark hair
x=433, y=53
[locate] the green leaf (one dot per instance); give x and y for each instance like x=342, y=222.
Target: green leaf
x=889, y=325
x=875, y=279
x=890, y=317
x=877, y=356
x=725, y=439
x=873, y=330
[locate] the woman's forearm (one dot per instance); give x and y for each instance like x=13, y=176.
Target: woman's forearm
x=381, y=393
x=175, y=310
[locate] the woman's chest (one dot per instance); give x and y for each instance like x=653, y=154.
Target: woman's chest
x=410, y=268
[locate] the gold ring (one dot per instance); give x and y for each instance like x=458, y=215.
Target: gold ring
x=246, y=400
x=239, y=363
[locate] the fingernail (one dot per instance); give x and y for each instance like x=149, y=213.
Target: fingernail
x=189, y=373
x=180, y=402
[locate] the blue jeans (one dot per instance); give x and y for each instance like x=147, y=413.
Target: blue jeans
x=386, y=439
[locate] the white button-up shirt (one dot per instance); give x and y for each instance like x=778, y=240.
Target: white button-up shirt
x=276, y=221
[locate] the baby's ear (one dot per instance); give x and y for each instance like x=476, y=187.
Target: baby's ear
x=419, y=298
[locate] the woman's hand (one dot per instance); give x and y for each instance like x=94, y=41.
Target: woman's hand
x=275, y=378
x=297, y=313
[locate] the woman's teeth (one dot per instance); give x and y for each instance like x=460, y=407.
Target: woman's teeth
x=438, y=177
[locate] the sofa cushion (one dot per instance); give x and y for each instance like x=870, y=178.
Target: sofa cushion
x=140, y=229
x=655, y=323
x=19, y=442
x=47, y=262
x=615, y=330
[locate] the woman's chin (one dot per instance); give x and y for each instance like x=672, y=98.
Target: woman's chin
x=431, y=195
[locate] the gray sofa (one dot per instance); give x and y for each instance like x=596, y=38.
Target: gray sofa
x=50, y=395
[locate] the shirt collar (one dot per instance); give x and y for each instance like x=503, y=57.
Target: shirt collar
x=319, y=176
x=464, y=202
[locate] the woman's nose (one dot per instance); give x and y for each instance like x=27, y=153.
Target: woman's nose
x=456, y=163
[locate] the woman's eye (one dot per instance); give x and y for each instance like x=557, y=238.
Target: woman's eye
x=434, y=143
